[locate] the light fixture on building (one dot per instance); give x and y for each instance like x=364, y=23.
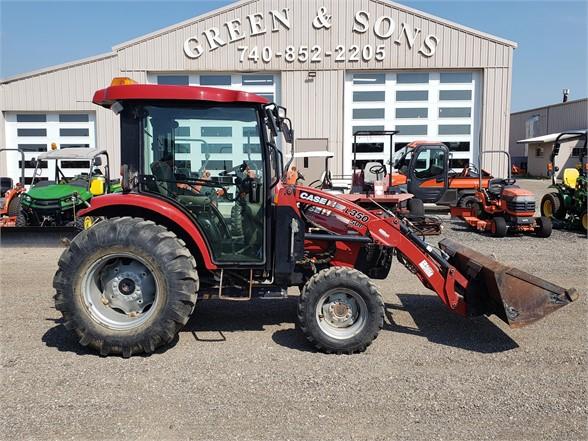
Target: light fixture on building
x=312, y=74
x=566, y=94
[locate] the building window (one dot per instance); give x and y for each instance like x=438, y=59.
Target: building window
x=31, y=164
x=83, y=117
x=368, y=129
x=185, y=164
x=75, y=164
x=29, y=181
x=369, y=96
x=455, y=95
x=369, y=147
x=183, y=147
x=368, y=78
x=539, y=152
x=251, y=148
x=454, y=129
x=29, y=117
x=74, y=132
x=412, y=95
x=412, y=112
x=369, y=113
x=459, y=163
x=400, y=145
x=456, y=77
x=73, y=146
x=412, y=130
x=412, y=78
x=218, y=148
x=258, y=80
x=216, y=132
x=183, y=131
x=455, y=112
x=173, y=80
x=458, y=146
x=215, y=80
x=31, y=132
x=33, y=147
x=576, y=152
x=218, y=165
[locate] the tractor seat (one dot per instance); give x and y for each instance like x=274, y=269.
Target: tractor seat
x=570, y=177
x=496, y=186
x=194, y=201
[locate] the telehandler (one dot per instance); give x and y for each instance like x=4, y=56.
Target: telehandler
x=130, y=282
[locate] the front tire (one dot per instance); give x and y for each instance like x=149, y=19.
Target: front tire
x=126, y=286
x=552, y=206
x=340, y=311
x=544, y=226
x=499, y=227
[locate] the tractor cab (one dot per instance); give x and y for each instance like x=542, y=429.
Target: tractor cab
x=211, y=153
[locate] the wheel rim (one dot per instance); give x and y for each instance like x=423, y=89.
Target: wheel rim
x=341, y=313
x=548, y=208
x=119, y=291
x=585, y=221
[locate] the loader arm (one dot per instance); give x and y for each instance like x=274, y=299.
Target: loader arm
x=466, y=281
x=429, y=266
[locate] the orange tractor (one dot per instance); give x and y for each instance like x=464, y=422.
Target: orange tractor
x=10, y=212
x=503, y=207
x=130, y=282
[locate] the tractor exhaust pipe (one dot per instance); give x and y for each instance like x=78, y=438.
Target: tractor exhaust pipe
x=515, y=296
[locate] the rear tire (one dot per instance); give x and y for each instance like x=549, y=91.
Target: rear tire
x=467, y=202
x=544, y=226
x=125, y=286
x=416, y=208
x=499, y=227
x=21, y=219
x=340, y=311
x=552, y=206
x=14, y=206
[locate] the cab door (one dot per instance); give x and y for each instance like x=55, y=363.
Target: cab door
x=428, y=172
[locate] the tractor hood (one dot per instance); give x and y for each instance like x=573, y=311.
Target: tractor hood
x=57, y=191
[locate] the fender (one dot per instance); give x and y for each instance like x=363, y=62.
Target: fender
x=158, y=206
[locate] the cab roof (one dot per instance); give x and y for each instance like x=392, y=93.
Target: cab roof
x=158, y=92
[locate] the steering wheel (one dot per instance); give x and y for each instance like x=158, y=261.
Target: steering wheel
x=378, y=169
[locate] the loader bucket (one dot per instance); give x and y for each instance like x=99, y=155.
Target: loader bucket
x=515, y=296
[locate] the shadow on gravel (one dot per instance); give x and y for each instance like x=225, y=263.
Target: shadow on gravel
x=65, y=341
x=441, y=326
x=36, y=237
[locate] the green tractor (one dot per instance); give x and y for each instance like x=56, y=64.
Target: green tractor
x=567, y=204
x=56, y=203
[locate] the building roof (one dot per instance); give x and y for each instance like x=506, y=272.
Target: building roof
x=550, y=106
x=546, y=139
x=106, y=97
x=80, y=153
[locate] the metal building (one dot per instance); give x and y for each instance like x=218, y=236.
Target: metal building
x=337, y=65
x=533, y=132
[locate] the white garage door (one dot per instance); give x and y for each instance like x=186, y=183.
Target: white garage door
x=227, y=149
x=35, y=132
x=434, y=106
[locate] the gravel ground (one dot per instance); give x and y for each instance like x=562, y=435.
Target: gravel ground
x=243, y=371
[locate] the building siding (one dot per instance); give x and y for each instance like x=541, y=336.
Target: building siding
x=316, y=107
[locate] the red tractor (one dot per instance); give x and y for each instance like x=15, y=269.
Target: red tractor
x=10, y=212
x=130, y=282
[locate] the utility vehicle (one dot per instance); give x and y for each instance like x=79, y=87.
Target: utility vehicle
x=10, y=195
x=567, y=204
x=130, y=282
x=58, y=202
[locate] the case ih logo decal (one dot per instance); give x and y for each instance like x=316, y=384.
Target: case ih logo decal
x=314, y=198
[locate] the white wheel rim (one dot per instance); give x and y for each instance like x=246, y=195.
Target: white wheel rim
x=341, y=313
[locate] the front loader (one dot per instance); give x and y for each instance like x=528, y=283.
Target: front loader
x=130, y=282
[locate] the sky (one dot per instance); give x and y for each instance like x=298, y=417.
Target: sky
x=552, y=36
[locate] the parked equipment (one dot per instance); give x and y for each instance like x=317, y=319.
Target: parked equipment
x=503, y=207
x=567, y=204
x=58, y=202
x=10, y=213
x=129, y=283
